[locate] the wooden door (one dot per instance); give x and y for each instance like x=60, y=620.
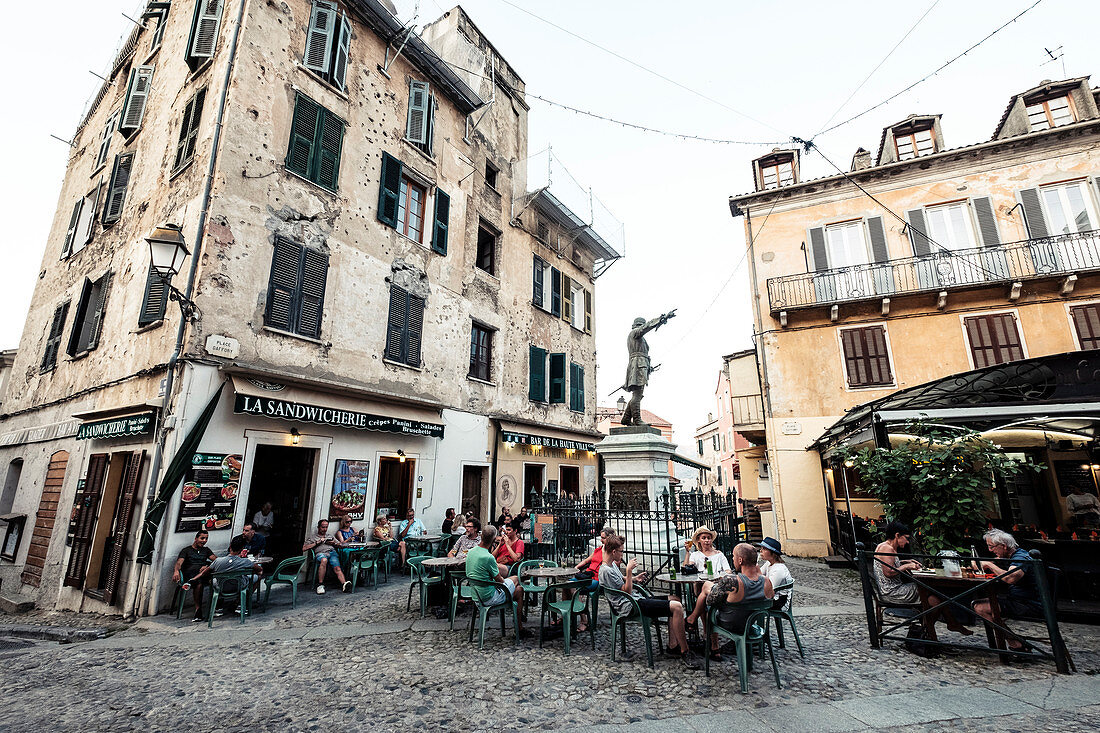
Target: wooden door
x=44, y=519
x=473, y=479
x=85, y=511
x=123, y=515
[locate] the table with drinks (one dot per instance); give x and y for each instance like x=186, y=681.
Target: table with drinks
x=949, y=583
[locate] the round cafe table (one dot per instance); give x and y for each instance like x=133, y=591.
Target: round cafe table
x=424, y=540
x=687, y=580
x=551, y=573
x=446, y=565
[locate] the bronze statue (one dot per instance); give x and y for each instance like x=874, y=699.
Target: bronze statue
x=638, y=368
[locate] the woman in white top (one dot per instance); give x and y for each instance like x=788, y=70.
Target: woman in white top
x=771, y=551
x=703, y=543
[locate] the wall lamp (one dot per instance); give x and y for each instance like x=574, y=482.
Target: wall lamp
x=295, y=436
x=400, y=456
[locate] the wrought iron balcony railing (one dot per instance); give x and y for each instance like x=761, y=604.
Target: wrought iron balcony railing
x=1032, y=258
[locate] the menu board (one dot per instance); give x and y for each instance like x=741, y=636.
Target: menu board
x=1072, y=474
x=349, y=489
x=209, y=494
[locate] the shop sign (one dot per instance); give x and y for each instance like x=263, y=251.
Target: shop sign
x=117, y=427
x=528, y=439
x=350, y=482
x=209, y=495
x=41, y=433
x=287, y=410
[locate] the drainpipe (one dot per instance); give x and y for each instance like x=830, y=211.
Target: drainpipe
x=143, y=592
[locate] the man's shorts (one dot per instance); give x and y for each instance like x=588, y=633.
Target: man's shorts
x=499, y=597
x=332, y=557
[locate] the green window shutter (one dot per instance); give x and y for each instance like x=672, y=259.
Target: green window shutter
x=536, y=388
x=98, y=305
x=442, y=215
x=80, y=318
x=555, y=291
x=185, y=145
x=204, y=33
x=74, y=224
x=414, y=330
x=303, y=131
x=416, y=124
x=537, y=274
x=116, y=191
x=576, y=387
x=53, y=341
x=137, y=96
x=92, y=206
x=397, y=324
x=282, y=288
x=319, y=36
x=567, y=299
x=328, y=145
x=155, y=302
x=700, y=446
x=557, y=379
x=389, y=189
x=342, y=53
x=588, y=311
x=311, y=299
x=105, y=140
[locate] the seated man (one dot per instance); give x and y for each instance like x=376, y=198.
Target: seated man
x=324, y=551
x=237, y=559
x=481, y=565
x=410, y=526
x=190, y=562
x=746, y=584
x=468, y=541
x=254, y=541
x=1015, y=568
x=509, y=550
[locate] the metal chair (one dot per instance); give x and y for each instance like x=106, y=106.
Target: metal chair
x=364, y=560
x=756, y=635
x=459, y=591
x=421, y=579
x=786, y=612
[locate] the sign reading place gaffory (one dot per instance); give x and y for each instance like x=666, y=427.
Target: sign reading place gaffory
x=287, y=410
x=117, y=427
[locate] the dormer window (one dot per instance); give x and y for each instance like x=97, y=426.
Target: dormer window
x=775, y=170
x=912, y=143
x=1047, y=113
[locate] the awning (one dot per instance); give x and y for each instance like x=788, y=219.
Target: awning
x=677, y=458
x=546, y=437
x=279, y=401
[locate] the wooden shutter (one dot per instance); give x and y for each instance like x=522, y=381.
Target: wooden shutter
x=389, y=189
x=576, y=387
x=53, y=340
x=397, y=324
x=342, y=53
x=189, y=129
x=95, y=326
x=311, y=298
x=155, y=302
x=80, y=318
x=987, y=221
x=588, y=311
x=116, y=191
x=877, y=234
x=415, y=329
x=1033, y=213
x=536, y=384
x=1086, y=319
x=105, y=140
x=124, y=514
x=328, y=150
x=866, y=361
x=91, y=210
x=567, y=299
x=74, y=224
x=537, y=274
x=555, y=291
x=85, y=512
x=282, y=288
x=442, y=215
x=416, y=125
x=137, y=96
x=44, y=519
x=319, y=36
x=303, y=132
x=994, y=339
x=204, y=36
x=557, y=379
x=817, y=248
x=918, y=233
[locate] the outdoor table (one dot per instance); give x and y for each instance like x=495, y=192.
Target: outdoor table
x=552, y=573
x=688, y=580
x=424, y=539
x=446, y=564
x=952, y=585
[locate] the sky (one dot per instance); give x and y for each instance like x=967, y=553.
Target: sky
x=758, y=72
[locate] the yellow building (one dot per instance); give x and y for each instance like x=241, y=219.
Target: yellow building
x=871, y=286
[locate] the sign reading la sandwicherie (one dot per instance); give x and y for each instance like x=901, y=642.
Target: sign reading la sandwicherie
x=287, y=410
x=118, y=427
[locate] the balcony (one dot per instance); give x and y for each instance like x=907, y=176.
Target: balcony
x=1030, y=259
x=748, y=413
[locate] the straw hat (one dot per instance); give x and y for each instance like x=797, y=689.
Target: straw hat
x=703, y=530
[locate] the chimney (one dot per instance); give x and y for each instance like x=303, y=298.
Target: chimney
x=861, y=160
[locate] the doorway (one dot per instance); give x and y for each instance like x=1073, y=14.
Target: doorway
x=395, y=485
x=533, y=483
x=473, y=483
x=571, y=481
x=283, y=475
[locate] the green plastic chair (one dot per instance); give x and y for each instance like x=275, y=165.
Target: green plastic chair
x=443, y=545
x=787, y=612
x=182, y=595
x=484, y=610
x=459, y=591
x=288, y=572
x=634, y=617
x=385, y=559
x=244, y=590
x=531, y=588
x=363, y=561
x=567, y=609
x=421, y=578
x=757, y=635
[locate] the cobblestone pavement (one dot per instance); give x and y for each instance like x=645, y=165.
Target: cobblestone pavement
x=363, y=660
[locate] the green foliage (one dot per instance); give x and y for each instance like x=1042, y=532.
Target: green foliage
x=939, y=482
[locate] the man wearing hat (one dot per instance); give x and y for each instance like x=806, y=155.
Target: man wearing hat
x=771, y=552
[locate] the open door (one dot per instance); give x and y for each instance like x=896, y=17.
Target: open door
x=124, y=514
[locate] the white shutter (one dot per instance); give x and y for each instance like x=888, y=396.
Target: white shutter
x=416, y=129
x=105, y=140
x=91, y=208
x=322, y=22
x=208, y=19
x=141, y=80
x=74, y=223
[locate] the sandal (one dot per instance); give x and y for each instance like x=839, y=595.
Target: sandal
x=715, y=655
x=675, y=651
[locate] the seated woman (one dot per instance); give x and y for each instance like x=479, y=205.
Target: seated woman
x=771, y=552
x=726, y=593
x=590, y=568
x=888, y=572
x=383, y=535
x=1014, y=568
x=703, y=542
x=347, y=533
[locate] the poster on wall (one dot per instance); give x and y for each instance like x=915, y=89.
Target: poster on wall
x=349, y=489
x=209, y=494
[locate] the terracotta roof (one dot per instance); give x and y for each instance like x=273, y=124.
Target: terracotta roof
x=647, y=416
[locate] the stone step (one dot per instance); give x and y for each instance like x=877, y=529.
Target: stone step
x=12, y=603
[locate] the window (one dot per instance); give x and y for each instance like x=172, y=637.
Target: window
x=155, y=301
x=914, y=143
x=557, y=379
x=866, y=361
x=160, y=15
x=328, y=43
x=316, y=138
x=420, y=123
x=88, y=320
x=189, y=130
x=296, y=289
x=82, y=222
x=53, y=340
x=576, y=387
x=543, y=276
x=105, y=140
x=486, y=248
x=994, y=339
x=536, y=389
x=714, y=442
x=1048, y=113
x=410, y=209
x=401, y=205
x=116, y=190
x=542, y=229
x=950, y=225
x=403, y=331
x=491, y=175
x=700, y=441
x=137, y=96
x=1086, y=320
x=845, y=244
x=204, y=32
x=775, y=170
x=577, y=305
x=719, y=475
x=481, y=352
x=1068, y=208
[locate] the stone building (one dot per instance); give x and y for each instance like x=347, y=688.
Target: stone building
x=930, y=281
x=382, y=307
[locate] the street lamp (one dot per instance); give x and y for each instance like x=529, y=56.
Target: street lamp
x=621, y=404
x=167, y=251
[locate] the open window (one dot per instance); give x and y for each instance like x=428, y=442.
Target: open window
x=328, y=43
